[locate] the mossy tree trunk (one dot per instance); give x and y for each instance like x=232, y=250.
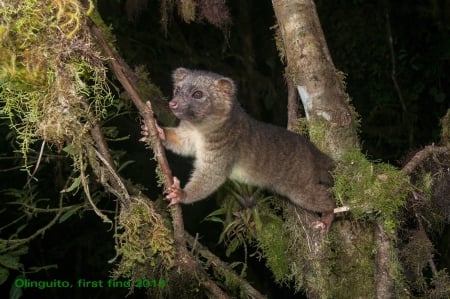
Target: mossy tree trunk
x=312, y=72
x=333, y=127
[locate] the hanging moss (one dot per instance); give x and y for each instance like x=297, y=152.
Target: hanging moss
x=272, y=240
x=52, y=84
x=144, y=244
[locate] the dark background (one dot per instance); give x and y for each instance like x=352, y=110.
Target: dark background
x=358, y=39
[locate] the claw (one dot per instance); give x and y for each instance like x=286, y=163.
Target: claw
x=174, y=193
x=145, y=133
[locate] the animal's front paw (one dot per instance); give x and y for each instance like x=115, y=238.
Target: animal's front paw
x=174, y=193
x=160, y=131
x=145, y=133
x=319, y=225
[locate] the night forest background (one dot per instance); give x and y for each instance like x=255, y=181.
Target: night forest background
x=395, y=60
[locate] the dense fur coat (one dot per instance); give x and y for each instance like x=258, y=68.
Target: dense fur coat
x=227, y=143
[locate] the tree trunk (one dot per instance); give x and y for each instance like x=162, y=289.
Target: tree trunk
x=332, y=127
x=311, y=69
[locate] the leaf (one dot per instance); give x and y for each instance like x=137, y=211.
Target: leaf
x=69, y=149
x=234, y=244
x=46, y=267
x=10, y=261
x=215, y=219
x=213, y=214
x=126, y=164
x=20, y=251
x=4, y=273
x=68, y=214
x=75, y=184
x=15, y=292
x=20, y=228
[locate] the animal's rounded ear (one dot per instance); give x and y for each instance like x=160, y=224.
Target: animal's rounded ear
x=179, y=74
x=226, y=85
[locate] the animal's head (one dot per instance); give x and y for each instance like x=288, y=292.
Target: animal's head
x=200, y=96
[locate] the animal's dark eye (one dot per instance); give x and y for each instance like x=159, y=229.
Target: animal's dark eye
x=197, y=94
x=176, y=90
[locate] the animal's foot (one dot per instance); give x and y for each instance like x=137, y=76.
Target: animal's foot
x=174, y=193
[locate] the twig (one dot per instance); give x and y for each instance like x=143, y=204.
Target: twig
x=394, y=78
x=422, y=155
x=12, y=244
x=41, y=152
x=204, y=252
x=119, y=189
x=394, y=64
x=85, y=184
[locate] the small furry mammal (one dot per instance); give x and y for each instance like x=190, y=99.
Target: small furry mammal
x=227, y=143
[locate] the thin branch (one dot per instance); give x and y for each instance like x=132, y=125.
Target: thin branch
x=394, y=64
x=218, y=263
x=85, y=184
x=118, y=66
x=12, y=244
x=37, y=163
x=394, y=79
x=420, y=156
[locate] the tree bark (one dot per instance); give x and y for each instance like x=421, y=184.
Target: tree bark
x=332, y=127
x=384, y=284
x=311, y=69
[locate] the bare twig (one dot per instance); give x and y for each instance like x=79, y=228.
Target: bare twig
x=394, y=64
x=85, y=185
x=12, y=244
x=395, y=81
x=422, y=155
x=41, y=152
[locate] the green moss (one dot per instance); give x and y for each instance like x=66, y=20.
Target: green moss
x=257, y=225
x=143, y=243
x=353, y=260
x=273, y=243
x=370, y=189
x=318, y=129
x=53, y=86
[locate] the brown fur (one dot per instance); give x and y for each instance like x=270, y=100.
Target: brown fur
x=227, y=143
